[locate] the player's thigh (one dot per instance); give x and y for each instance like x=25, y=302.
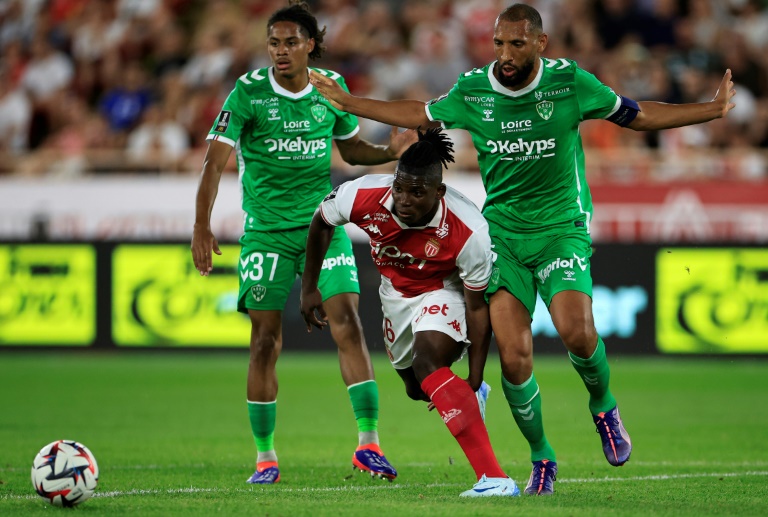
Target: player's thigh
x=267, y=269
x=564, y=265
x=511, y=273
x=440, y=331
x=339, y=272
x=434, y=349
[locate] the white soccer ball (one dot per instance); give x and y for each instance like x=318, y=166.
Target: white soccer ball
x=65, y=473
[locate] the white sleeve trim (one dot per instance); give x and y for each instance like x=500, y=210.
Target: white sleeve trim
x=615, y=107
x=348, y=135
x=220, y=138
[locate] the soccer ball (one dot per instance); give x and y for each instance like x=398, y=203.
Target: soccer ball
x=65, y=473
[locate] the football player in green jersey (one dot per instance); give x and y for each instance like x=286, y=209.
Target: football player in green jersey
x=523, y=112
x=281, y=130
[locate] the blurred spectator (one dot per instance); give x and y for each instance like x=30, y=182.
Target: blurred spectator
x=15, y=116
x=123, y=105
x=159, y=142
x=112, y=58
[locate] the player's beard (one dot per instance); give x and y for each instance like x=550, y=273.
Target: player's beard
x=523, y=73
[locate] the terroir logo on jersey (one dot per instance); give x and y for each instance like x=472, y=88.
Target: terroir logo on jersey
x=295, y=145
x=521, y=146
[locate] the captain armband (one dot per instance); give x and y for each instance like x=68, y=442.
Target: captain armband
x=628, y=110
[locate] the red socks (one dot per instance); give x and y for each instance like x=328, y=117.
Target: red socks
x=457, y=405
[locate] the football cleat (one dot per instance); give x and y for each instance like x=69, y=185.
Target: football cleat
x=616, y=443
x=487, y=487
x=266, y=473
x=542, y=480
x=369, y=458
x=482, y=397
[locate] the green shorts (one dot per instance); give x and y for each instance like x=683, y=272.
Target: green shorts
x=271, y=261
x=547, y=264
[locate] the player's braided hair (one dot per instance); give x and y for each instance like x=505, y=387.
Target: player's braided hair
x=429, y=155
x=520, y=12
x=298, y=12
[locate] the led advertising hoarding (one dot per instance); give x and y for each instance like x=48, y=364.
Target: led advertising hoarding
x=712, y=300
x=159, y=298
x=47, y=294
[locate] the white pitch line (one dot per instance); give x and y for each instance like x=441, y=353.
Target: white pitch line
x=195, y=490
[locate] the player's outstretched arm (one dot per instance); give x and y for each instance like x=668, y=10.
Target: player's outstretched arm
x=658, y=115
x=400, y=113
x=479, y=335
x=318, y=241
x=356, y=151
x=203, y=240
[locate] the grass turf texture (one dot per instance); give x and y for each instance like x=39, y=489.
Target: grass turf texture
x=170, y=433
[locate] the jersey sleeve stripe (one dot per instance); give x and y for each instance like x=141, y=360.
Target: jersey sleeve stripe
x=348, y=135
x=220, y=138
x=244, y=78
x=615, y=107
x=476, y=288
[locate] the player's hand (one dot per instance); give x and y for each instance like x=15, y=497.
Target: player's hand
x=329, y=89
x=203, y=242
x=399, y=142
x=724, y=94
x=309, y=303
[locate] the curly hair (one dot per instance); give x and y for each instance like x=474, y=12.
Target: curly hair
x=298, y=12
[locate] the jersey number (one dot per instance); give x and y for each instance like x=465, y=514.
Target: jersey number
x=388, y=332
x=257, y=260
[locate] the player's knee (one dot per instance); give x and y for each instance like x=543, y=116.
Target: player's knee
x=264, y=346
x=579, y=339
x=423, y=367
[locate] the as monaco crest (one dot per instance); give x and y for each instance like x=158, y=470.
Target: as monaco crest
x=431, y=248
x=318, y=112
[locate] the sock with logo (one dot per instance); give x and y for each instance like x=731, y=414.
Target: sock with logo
x=525, y=403
x=365, y=403
x=596, y=375
x=262, y=416
x=457, y=405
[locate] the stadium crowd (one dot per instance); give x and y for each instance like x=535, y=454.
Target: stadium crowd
x=113, y=86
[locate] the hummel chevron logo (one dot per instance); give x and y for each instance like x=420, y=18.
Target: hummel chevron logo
x=592, y=381
x=526, y=413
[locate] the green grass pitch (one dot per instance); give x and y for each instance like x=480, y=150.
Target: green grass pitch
x=170, y=433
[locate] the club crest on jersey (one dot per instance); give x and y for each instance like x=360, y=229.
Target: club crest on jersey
x=223, y=122
x=432, y=247
x=258, y=292
x=318, y=112
x=545, y=109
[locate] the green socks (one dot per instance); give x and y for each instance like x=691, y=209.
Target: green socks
x=525, y=402
x=365, y=403
x=596, y=375
x=262, y=417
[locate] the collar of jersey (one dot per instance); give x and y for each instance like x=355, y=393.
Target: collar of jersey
x=282, y=91
x=437, y=221
x=497, y=86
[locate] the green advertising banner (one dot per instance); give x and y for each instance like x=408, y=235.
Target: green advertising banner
x=47, y=294
x=712, y=300
x=159, y=298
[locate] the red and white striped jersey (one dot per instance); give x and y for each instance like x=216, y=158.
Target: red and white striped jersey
x=453, y=248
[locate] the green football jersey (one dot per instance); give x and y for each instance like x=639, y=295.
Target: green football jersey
x=528, y=144
x=283, y=145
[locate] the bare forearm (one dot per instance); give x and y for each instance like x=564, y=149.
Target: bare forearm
x=206, y=194
x=401, y=113
x=363, y=152
x=479, y=335
x=659, y=115
x=318, y=241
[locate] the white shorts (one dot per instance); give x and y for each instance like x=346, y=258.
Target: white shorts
x=442, y=310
